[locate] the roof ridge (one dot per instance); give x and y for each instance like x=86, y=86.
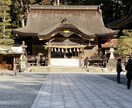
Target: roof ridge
x=93, y=7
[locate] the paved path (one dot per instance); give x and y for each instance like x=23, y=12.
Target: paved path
x=82, y=90
x=20, y=91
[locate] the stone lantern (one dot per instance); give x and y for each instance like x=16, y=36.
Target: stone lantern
x=111, y=65
x=112, y=51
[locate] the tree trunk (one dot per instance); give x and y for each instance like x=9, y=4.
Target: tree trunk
x=4, y=25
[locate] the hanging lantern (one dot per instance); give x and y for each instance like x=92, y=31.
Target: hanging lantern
x=66, y=50
x=55, y=49
x=74, y=49
x=70, y=50
x=58, y=49
x=89, y=44
x=77, y=49
x=62, y=50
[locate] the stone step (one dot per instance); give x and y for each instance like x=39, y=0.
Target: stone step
x=65, y=69
x=54, y=68
x=38, y=69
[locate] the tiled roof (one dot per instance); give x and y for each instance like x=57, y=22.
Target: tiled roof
x=44, y=21
x=113, y=42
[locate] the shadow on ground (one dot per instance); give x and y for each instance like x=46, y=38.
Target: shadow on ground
x=113, y=78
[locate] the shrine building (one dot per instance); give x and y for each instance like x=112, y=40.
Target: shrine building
x=65, y=34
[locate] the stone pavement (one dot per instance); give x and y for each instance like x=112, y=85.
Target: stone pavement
x=81, y=90
x=20, y=91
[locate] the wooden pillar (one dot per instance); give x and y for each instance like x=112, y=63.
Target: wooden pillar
x=49, y=53
x=32, y=46
x=58, y=2
x=14, y=63
x=99, y=47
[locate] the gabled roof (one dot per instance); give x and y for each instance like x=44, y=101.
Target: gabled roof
x=108, y=44
x=43, y=21
x=65, y=44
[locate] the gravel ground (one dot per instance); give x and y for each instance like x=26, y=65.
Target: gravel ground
x=20, y=91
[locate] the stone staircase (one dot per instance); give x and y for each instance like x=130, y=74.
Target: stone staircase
x=54, y=69
x=65, y=69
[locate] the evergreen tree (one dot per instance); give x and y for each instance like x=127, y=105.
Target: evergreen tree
x=5, y=26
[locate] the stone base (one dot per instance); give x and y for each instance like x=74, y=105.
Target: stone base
x=111, y=65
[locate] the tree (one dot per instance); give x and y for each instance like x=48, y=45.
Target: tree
x=19, y=11
x=111, y=9
x=5, y=26
x=24, y=9
x=125, y=44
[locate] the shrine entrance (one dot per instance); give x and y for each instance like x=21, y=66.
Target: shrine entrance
x=64, y=52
